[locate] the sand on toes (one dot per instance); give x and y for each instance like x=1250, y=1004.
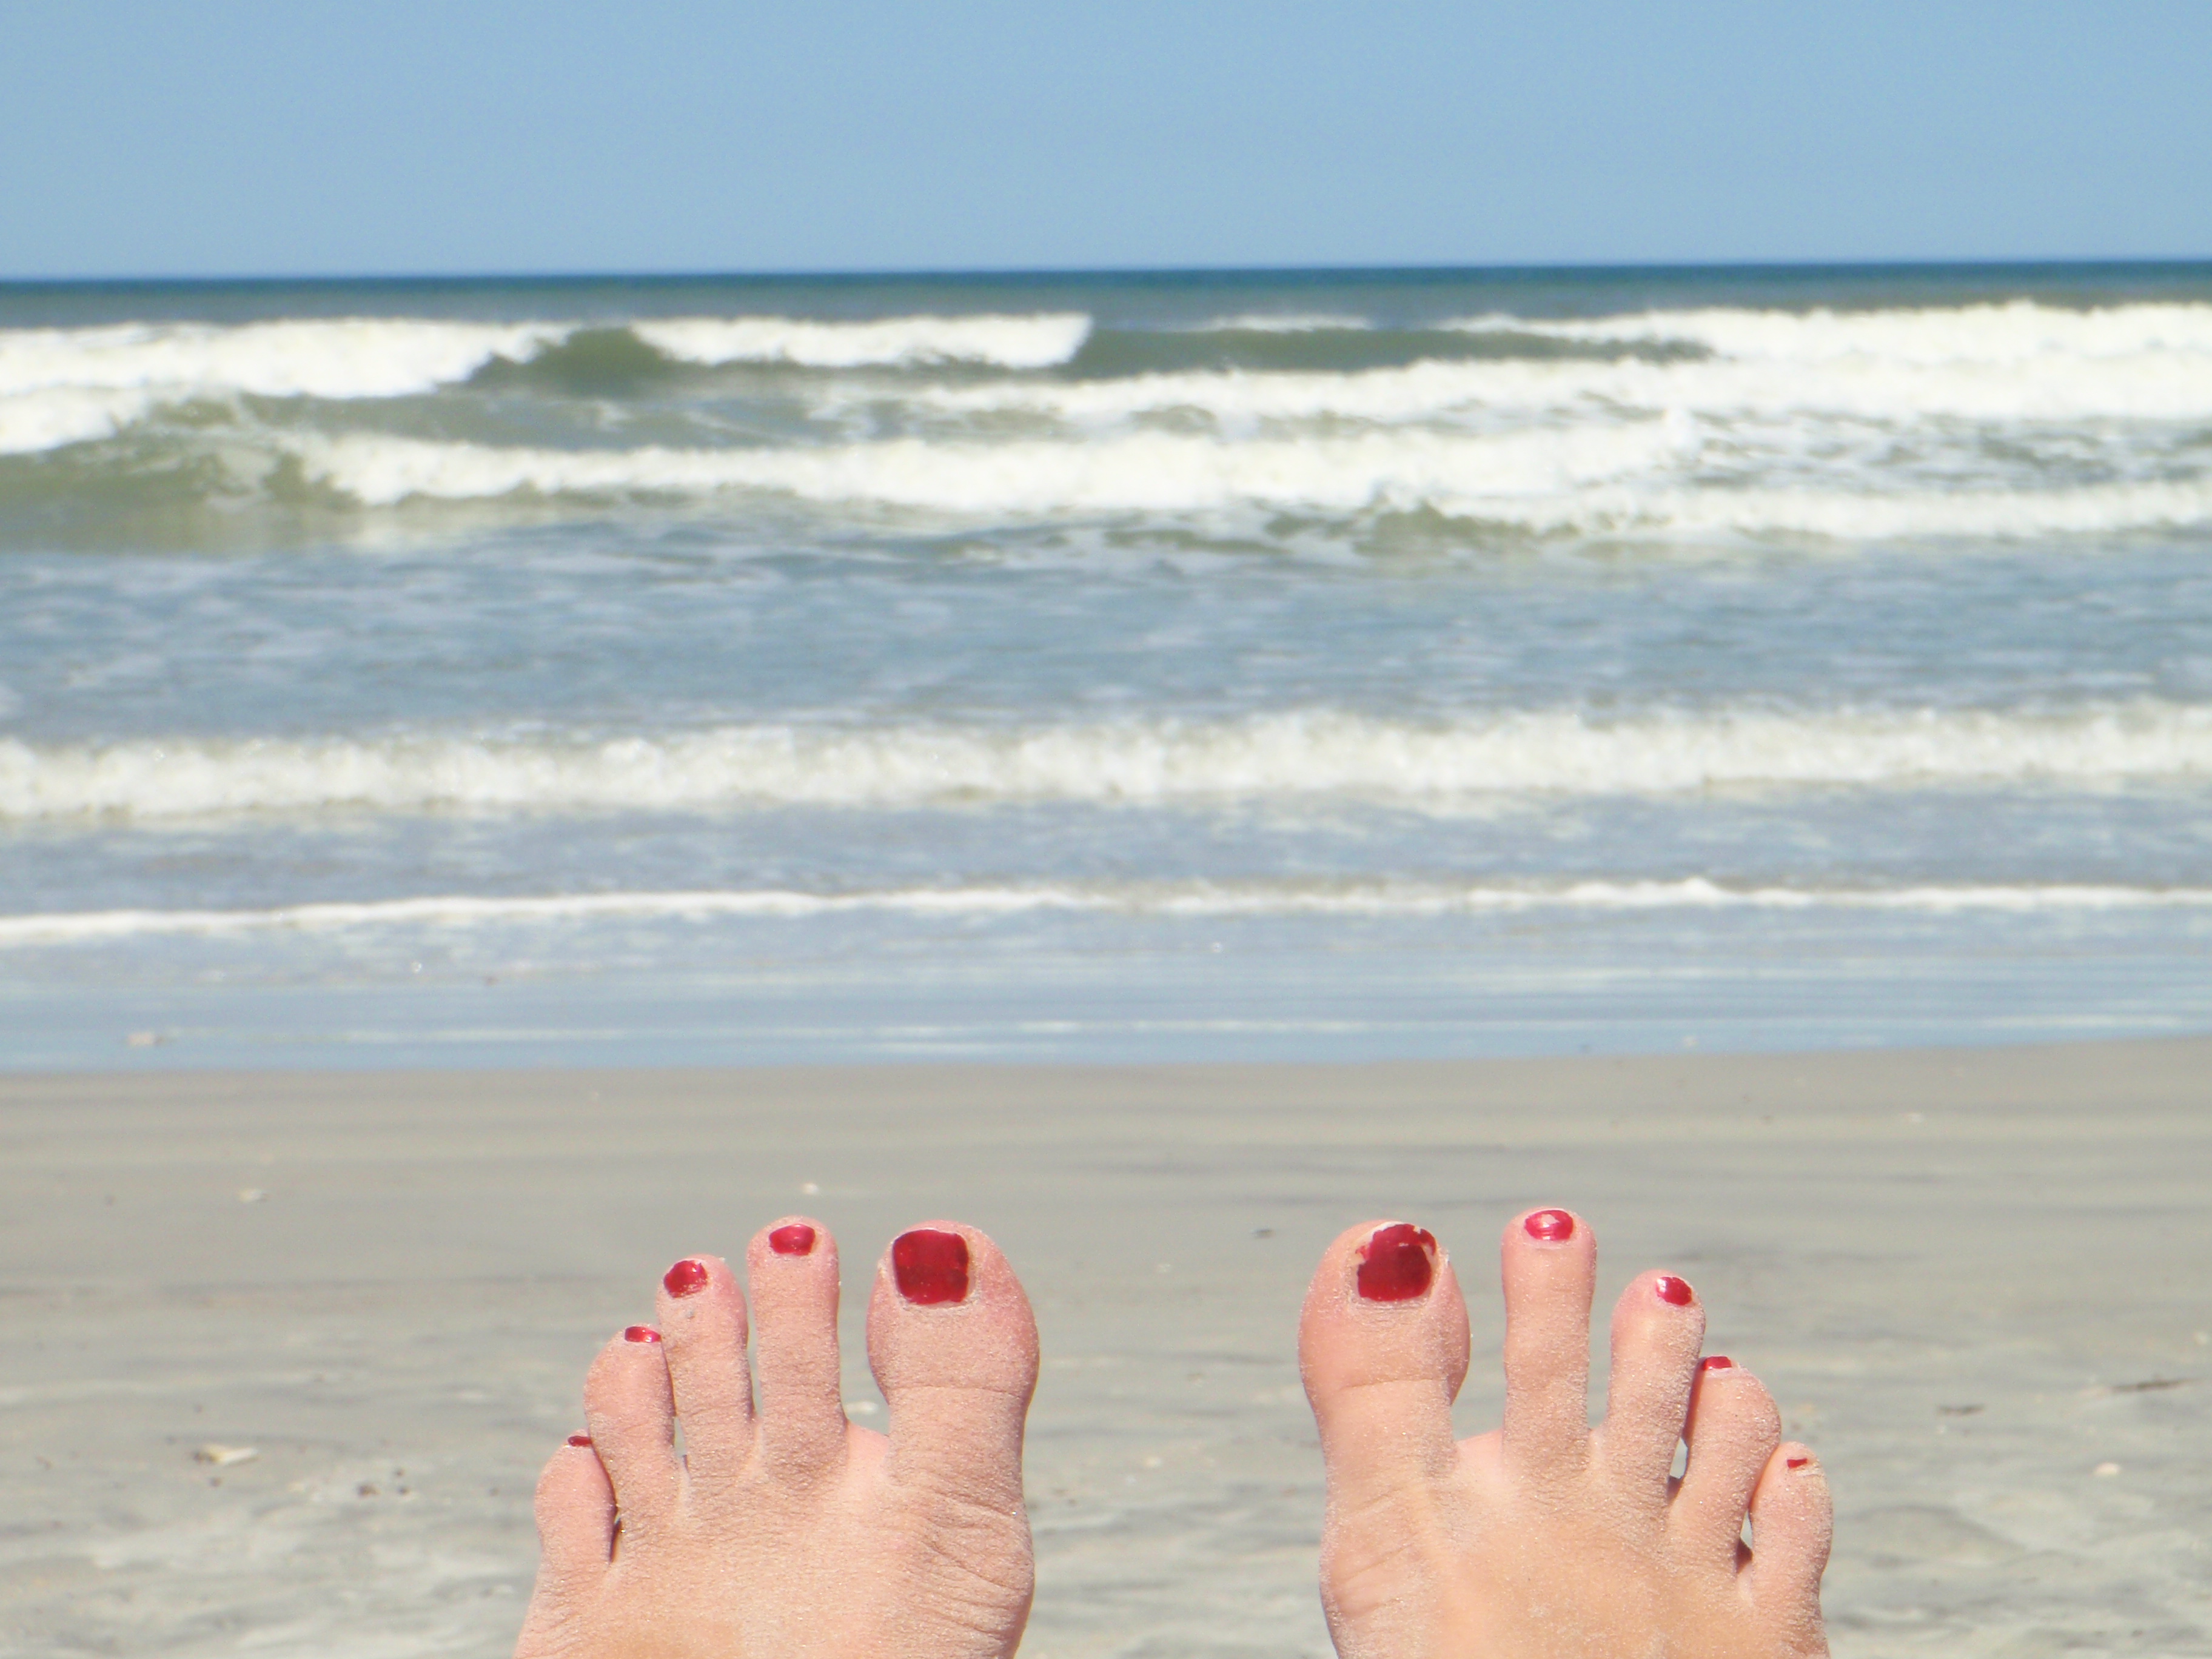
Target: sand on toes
x=1547, y=1538
x=783, y=1529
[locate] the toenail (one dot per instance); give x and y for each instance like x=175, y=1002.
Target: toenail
x=930, y=1266
x=641, y=1333
x=1396, y=1264
x=1715, y=1362
x=797, y=1239
x=580, y=1440
x=1798, y=1462
x=1673, y=1290
x=1550, y=1225
x=687, y=1277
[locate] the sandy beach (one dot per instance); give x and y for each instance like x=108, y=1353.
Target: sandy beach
x=1975, y=1279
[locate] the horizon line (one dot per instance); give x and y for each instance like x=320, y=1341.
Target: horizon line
x=1081, y=273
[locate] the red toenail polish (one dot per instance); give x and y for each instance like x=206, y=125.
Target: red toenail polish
x=1550, y=1225
x=687, y=1277
x=1673, y=1290
x=1798, y=1462
x=930, y=1267
x=580, y=1440
x=798, y=1239
x=1396, y=1266
x=1715, y=1362
x=641, y=1333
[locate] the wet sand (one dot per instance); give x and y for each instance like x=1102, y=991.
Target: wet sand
x=1979, y=1282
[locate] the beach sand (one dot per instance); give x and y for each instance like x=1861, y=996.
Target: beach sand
x=1977, y=1281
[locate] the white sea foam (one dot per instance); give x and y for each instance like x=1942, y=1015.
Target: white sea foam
x=2017, y=332
x=35, y=421
x=335, y=357
x=1632, y=477
x=2156, y=384
x=1135, y=473
x=1280, y=758
x=1191, y=899
x=1038, y=341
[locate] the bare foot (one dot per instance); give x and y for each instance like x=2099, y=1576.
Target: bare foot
x=783, y=1530
x=1546, y=1537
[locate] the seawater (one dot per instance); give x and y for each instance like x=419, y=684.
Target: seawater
x=1296, y=664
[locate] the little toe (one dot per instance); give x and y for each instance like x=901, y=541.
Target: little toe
x=954, y=1347
x=1792, y=1521
x=1548, y=1261
x=1657, y=1329
x=632, y=1417
x=702, y=1329
x=575, y=1508
x=1733, y=1430
x=793, y=1267
x=1382, y=1345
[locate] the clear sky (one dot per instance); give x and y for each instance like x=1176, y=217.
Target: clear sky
x=328, y=137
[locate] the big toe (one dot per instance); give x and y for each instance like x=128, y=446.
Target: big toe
x=954, y=1348
x=1382, y=1345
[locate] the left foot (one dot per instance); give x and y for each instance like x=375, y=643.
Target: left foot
x=782, y=1530
x=1547, y=1539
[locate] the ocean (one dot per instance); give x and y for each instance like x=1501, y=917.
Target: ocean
x=1153, y=666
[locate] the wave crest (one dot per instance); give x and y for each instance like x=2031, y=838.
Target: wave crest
x=1040, y=341
x=1280, y=758
x=1165, y=899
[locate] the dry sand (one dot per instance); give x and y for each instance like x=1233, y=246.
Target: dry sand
x=1977, y=1281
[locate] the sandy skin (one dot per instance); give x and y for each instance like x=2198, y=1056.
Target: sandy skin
x=782, y=1528
x=1546, y=1537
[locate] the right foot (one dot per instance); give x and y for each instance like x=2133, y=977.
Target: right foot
x=1547, y=1539
x=783, y=1529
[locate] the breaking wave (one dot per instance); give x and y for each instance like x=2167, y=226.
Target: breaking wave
x=1280, y=758
x=2014, y=332
x=1191, y=899
x=1627, y=478
x=1032, y=341
x=339, y=357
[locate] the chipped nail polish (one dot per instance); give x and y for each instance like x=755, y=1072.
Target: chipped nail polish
x=797, y=1239
x=1673, y=1290
x=1550, y=1226
x=687, y=1277
x=930, y=1267
x=580, y=1440
x=1715, y=1362
x=1797, y=1462
x=641, y=1333
x=1397, y=1263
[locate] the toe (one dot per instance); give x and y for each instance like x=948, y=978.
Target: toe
x=1792, y=1519
x=1548, y=1260
x=1734, y=1429
x=575, y=1524
x=954, y=1348
x=1383, y=1344
x=633, y=1424
x=1657, y=1329
x=702, y=1328
x=793, y=1267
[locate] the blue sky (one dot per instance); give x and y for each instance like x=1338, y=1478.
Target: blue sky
x=330, y=137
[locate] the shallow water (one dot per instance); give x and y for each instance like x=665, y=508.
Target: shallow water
x=1300, y=663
